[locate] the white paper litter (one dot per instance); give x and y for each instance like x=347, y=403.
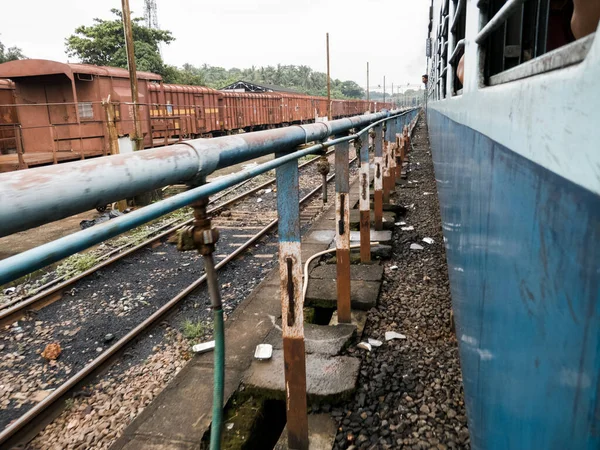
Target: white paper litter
x=204, y=347
x=428, y=240
x=259, y=200
x=268, y=191
x=375, y=342
x=400, y=223
x=365, y=346
x=263, y=351
x=393, y=267
x=229, y=425
x=427, y=193
x=408, y=228
x=389, y=335
x=416, y=247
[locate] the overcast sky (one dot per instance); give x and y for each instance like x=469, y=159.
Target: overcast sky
x=390, y=34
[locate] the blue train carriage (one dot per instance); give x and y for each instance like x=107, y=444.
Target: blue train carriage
x=516, y=150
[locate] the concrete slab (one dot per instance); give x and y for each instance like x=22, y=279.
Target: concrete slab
x=320, y=237
x=328, y=379
x=383, y=236
x=323, y=294
x=322, y=429
x=323, y=339
x=358, y=318
x=389, y=218
x=365, y=272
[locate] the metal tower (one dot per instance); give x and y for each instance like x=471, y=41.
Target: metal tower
x=150, y=14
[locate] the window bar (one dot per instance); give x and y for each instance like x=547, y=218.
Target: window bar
x=457, y=14
x=451, y=43
x=498, y=20
x=460, y=46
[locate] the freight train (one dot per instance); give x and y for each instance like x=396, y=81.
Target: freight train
x=513, y=116
x=52, y=112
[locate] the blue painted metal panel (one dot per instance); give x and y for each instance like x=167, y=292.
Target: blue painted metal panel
x=523, y=249
x=288, y=199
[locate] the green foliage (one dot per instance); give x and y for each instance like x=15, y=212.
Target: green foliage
x=193, y=330
x=103, y=44
x=10, y=53
x=299, y=78
x=77, y=263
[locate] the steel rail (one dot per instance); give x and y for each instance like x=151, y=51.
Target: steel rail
x=36, y=258
x=10, y=432
x=10, y=313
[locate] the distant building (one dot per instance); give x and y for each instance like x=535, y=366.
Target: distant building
x=248, y=86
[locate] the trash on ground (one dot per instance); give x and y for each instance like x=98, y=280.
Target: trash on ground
x=365, y=346
x=52, y=351
x=428, y=240
x=204, y=347
x=408, y=228
x=389, y=335
x=112, y=214
x=10, y=290
x=229, y=425
x=263, y=351
x=416, y=247
x=400, y=223
x=393, y=267
x=427, y=193
x=375, y=342
x=259, y=200
x=268, y=191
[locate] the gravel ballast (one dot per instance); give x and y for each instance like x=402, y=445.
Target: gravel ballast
x=409, y=392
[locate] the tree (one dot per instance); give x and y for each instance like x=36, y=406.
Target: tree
x=10, y=53
x=103, y=44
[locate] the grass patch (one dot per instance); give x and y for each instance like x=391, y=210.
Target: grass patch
x=193, y=330
x=77, y=263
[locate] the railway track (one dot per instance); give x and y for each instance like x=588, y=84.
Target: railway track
x=241, y=230
x=51, y=291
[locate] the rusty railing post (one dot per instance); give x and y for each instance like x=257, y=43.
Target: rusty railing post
x=323, y=169
x=386, y=165
x=393, y=151
x=290, y=272
x=342, y=230
x=378, y=179
x=362, y=147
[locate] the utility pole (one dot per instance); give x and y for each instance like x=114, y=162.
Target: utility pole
x=137, y=126
x=328, y=83
x=393, y=95
x=384, y=89
x=368, y=104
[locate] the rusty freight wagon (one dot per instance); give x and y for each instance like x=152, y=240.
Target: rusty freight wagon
x=59, y=110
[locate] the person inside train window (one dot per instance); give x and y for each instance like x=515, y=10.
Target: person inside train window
x=586, y=16
x=460, y=69
x=559, y=25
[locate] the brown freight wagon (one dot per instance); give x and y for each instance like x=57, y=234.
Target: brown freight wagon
x=60, y=111
x=178, y=111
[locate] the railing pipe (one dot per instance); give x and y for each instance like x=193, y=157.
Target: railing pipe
x=41, y=195
x=51, y=252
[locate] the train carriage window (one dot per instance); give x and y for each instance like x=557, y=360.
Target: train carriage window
x=523, y=37
x=85, y=110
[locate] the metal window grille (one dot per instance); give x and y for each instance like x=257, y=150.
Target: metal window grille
x=519, y=31
x=85, y=110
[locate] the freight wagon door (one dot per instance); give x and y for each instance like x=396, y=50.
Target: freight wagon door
x=35, y=119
